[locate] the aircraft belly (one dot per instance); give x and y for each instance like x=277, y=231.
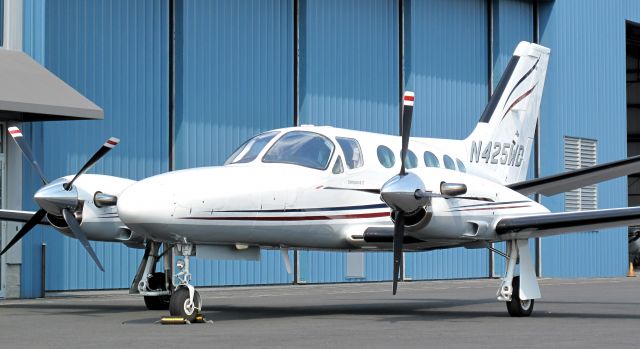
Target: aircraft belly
x=294, y=234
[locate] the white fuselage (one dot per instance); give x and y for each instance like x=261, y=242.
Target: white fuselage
x=280, y=204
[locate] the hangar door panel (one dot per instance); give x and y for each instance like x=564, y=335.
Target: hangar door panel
x=349, y=77
x=446, y=60
x=114, y=53
x=234, y=75
x=512, y=23
x=234, y=79
x=349, y=72
x=585, y=96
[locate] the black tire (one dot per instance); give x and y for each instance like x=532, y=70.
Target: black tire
x=157, y=282
x=178, y=304
x=157, y=302
x=517, y=307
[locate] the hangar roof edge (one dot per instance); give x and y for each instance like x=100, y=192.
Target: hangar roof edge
x=30, y=92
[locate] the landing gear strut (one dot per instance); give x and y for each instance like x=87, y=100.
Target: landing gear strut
x=519, y=292
x=154, y=286
x=185, y=301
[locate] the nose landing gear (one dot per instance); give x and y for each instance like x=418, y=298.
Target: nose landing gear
x=185, y=301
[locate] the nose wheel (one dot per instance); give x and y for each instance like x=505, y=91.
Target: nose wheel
x=185, y=301
x=184, y=305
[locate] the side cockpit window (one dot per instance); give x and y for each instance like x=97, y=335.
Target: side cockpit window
x=337, y=167
x=303, y=148
x=250, y=149
x=386, y=157
x=352, y=152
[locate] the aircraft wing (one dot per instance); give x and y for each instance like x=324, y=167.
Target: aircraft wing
x=563, y=182
x=547, y=224
x=19, y=216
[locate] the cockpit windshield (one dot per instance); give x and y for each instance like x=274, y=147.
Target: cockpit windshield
x=302, y=148
x=250, y=149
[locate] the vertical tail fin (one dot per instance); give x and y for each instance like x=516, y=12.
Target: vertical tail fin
x=500, y=145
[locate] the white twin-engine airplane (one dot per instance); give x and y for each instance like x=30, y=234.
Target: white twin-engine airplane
x=328, y=188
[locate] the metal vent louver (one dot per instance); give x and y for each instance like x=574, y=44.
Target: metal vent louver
x=580, y=153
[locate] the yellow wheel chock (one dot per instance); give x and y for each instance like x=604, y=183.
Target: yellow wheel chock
x=177, y=320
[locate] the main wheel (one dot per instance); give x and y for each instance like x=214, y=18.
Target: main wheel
x=518, y=307
x=179, y=305
x=157, y=282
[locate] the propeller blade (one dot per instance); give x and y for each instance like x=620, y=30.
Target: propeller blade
x=106, y=147
x=398, y=239
x=80, y=235
x=405, y=130
x=32, y=222
x=16, y=134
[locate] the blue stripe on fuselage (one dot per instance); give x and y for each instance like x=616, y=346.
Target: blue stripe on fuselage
x=342, y=208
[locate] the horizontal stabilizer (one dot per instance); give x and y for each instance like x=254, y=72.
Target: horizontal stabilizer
x=563, y=182
x=540, y=225
x=19, y=216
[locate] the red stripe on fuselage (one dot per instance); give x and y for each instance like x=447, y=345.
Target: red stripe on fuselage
x=293, y=218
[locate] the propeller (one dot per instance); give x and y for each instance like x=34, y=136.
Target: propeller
x=398, y=239
x=16, y=134
x=58, y=198
x=394, y=192
x=405, y=130
x=405, y=193
x=32, y=222
x=106, y=147
x=80, y=235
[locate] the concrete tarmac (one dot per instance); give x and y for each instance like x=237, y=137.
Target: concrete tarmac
x=585, y=313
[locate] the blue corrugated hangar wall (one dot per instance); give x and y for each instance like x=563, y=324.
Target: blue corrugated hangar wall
x=236, y=75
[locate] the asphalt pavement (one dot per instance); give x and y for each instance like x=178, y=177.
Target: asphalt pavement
x=584, y=313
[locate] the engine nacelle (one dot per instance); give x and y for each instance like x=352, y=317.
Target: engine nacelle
x=100, y=222
x=417, y=219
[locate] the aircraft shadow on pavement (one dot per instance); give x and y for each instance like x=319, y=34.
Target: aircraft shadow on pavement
x=87, y=309
x=429, y=310
x=396, y=311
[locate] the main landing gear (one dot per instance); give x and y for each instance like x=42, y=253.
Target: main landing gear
x=154, y=286
x=519, y=292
